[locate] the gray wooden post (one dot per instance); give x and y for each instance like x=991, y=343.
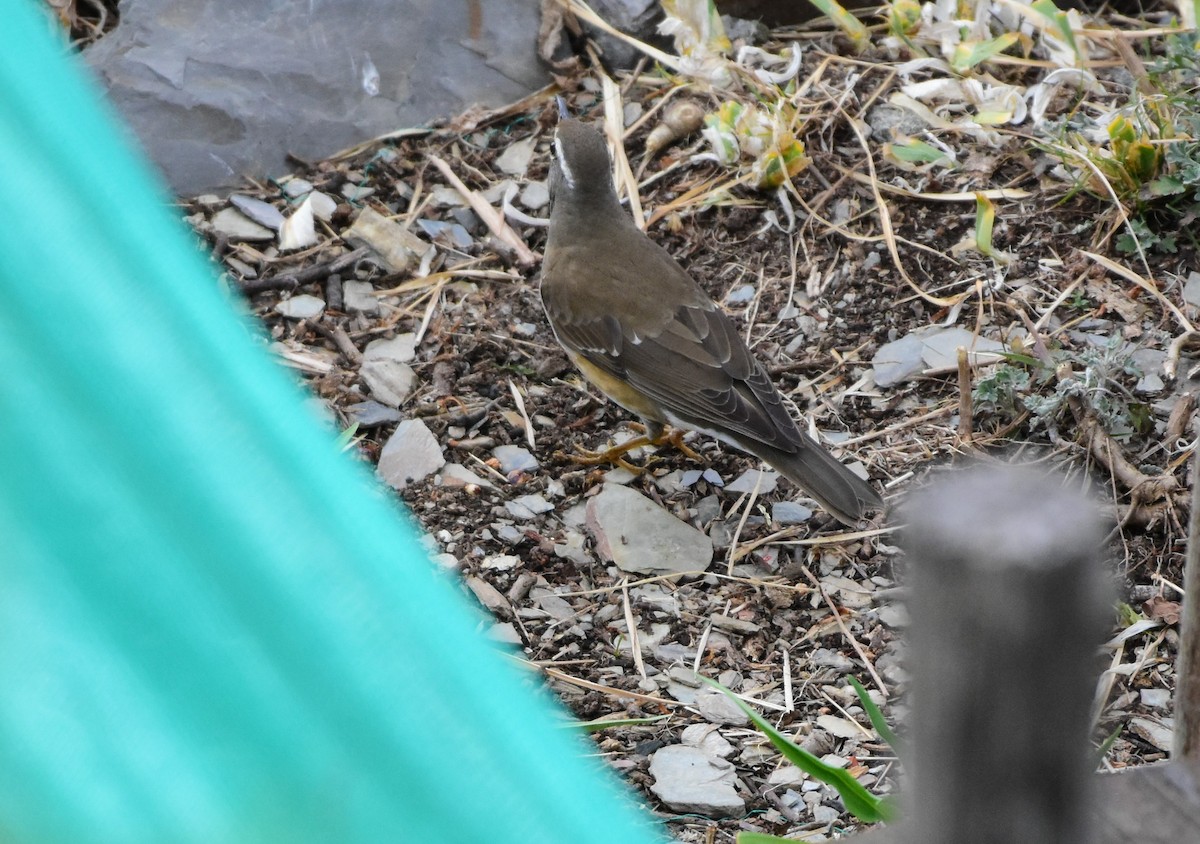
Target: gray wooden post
x=1008, y=600
x=1187, y=678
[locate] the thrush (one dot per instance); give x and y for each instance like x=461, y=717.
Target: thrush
x=644, y=332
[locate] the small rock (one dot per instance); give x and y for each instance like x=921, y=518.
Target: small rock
x=572, y=548
x=444, y=196
x=885, y=119
x=1150, y=362
x=740, y=294
x=509, y=534
x=535, y=196
x=359, y=298
x=502, y=562
x=787, y=775
x=893, y=615
x=1157, y=733
x=458, y=475
x=706, y=738
x=241, y=267
x=323, y=205
x=504, y=633
x=620, y=475
x=746, y=482
x=532, y=504
x=411, y=454
x=469, y=220
x=707, y=509
x=447, y=234
x=552, y=604
x=402, y=348
x=639, y=536
x=389, y=382
x=687, y=780
x=514, y=458
x=385, y=370
x=488, y=595
x=839, y=727
x=449, y=562
x=670, y=482
x=827, y=658
x=716, y=708
x=302, y=306
x=260, y=212
x=790, y=513
x=395, y=245
x=1191, y=289
x=823, y=814
x=238, y=227
x=296, y=187
x=356, y=192
x=1156, y=698
x=933, y=347
x=369, y=414
x=734, y=625
x=515, y=159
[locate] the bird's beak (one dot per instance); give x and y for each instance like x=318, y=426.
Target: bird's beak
x=563, y=114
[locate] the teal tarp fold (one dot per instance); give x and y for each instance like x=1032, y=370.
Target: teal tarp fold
x=214, y=627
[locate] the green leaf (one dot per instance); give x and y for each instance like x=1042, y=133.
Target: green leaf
x=1108, y=742
x=346, y=438
x=916, y=152
x=967, y=54
x=1061, y=22
x=858, y=801
x=1167, y=186
x=985, y=218
x=1127, y=615
x=849, y=24
x=1015, y=357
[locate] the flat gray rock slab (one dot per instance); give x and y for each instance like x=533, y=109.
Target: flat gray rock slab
x=933, y=348
x=716, y=708
x=302, y=306
x=223, y=89
x=410, y=454
x=639, y=536
x=385, y=370
x=688, y=780
x=514, y=458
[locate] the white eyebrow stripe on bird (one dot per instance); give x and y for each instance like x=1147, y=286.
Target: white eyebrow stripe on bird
x=565, y=168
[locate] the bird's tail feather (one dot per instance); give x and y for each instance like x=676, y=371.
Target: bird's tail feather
x=841, y=492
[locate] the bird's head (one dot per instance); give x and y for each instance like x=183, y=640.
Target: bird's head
x=581, y=167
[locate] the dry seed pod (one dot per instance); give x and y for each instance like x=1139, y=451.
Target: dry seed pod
x=680, y=119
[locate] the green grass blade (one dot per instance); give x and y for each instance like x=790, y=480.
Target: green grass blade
x=876, y=717
x=858, y=801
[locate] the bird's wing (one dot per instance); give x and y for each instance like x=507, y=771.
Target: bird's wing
x=690, y=361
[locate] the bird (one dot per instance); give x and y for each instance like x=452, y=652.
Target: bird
x=640, y=329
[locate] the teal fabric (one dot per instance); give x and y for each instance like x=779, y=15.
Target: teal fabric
x=213, y=626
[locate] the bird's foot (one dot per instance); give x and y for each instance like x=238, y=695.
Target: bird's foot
x=615, y=456
x=674, y=438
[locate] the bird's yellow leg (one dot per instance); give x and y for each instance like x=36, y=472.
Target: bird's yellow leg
x=674, y=438
x=654, y=435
